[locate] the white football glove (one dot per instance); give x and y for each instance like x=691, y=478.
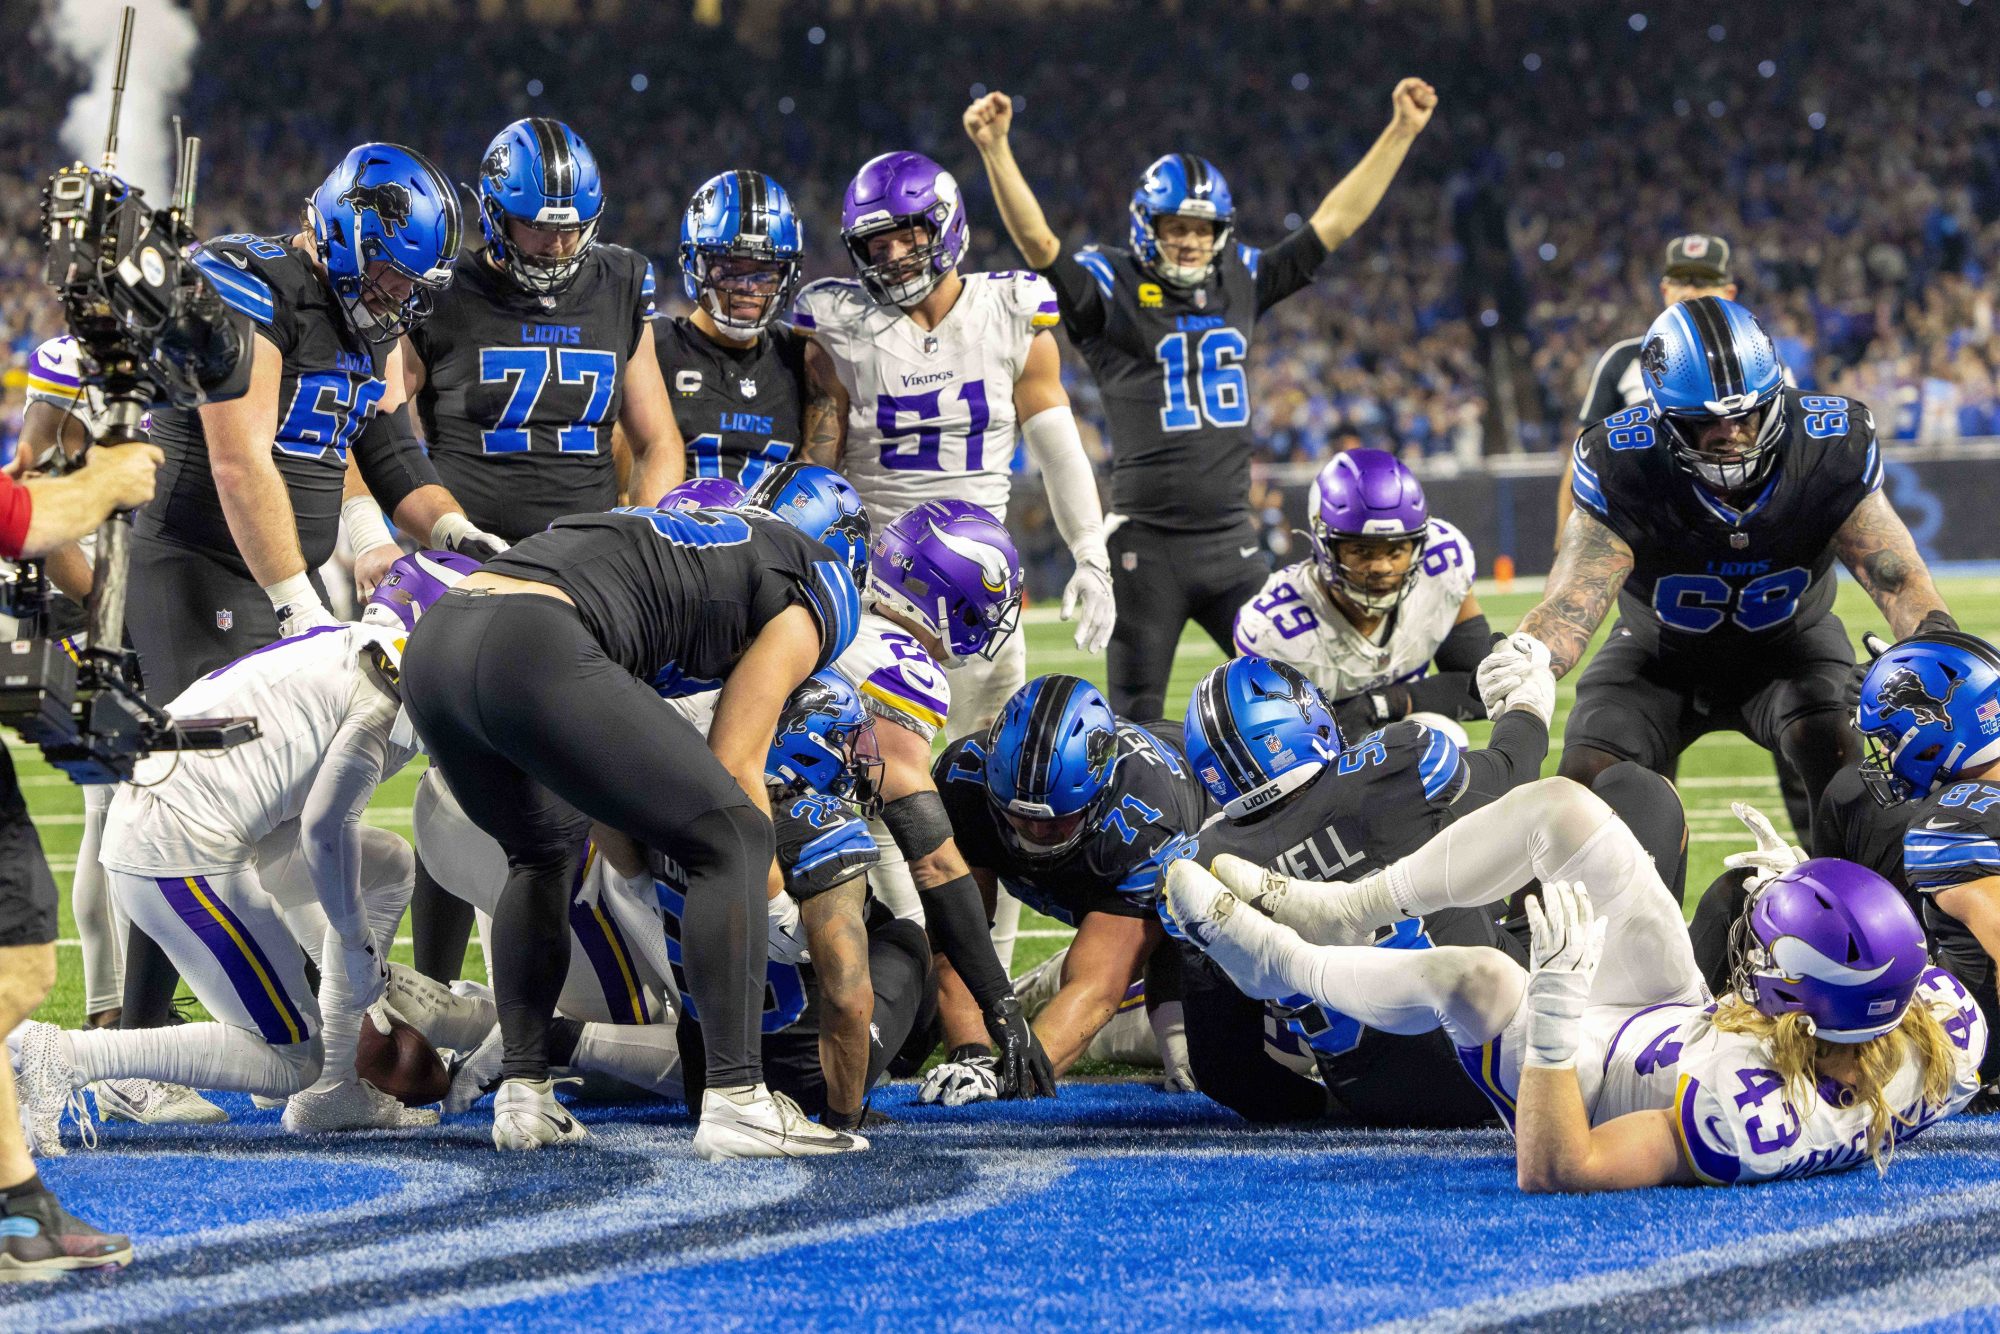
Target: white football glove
x=297, y=605
x=1517, y=675
x=971, y=1075
x=367, y=974
x=1566, y=943
x=788, y=933
x=1773, y=856
x=1090, y=589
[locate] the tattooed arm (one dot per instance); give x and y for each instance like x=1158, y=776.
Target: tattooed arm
x=1878, y=550
x=826, y=410
x=1591, y=566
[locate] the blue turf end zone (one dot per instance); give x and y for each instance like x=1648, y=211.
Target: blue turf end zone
x=1114, y=1206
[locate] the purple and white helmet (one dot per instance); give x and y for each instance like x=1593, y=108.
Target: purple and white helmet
x=1366, y=495
x=413, y=584
x=703, y=493
x=950, y=567
x=889, y=193
x=1832, y=941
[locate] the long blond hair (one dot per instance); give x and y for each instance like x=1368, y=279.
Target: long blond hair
x=1796, y=1051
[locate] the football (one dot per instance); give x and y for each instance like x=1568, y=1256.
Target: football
x=402, y=1063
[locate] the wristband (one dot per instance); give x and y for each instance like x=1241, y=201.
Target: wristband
x=361, y=520
x=291, y=592
x=449, y=529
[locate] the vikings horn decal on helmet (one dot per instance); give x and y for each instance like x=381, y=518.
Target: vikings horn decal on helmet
x=950, y=567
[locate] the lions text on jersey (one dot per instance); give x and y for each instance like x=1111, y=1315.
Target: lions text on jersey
x=930, y=413
x=1294, y=620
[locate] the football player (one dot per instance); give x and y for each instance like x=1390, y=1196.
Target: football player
x=1076, y=812
x=736, y=373
x=1294, y=796
x=537, y=687
x=244, y=862
x=1713, y=514
x=1388, y=592
x=1166, y=327
x=1836, y=1042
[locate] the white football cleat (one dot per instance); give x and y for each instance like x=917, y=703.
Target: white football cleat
x=472, y=1071
x=447, y=1017
x=1197, y=901
x=351, y=1104
x=526, y=1115
x=264, y=1104
x=45, y=1083
x=1263, y=888
x=758, y=1123
x=153, y=1102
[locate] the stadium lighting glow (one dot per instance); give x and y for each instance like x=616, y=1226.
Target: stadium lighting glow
x=1293, y=222
x=1716, y=108
x=815, y=35
x=1301, y=82
x=1531, y=62
x=1817, y=120
x=1984, y=97
x=1716, y=32
x=534, y=87
x=1682, y=107
x=1767, y=68
x=1637, y=23
x=978, y=90
x=1555, y=160
x=639, y=83
x=786, y=106
x=1489, y=317
x=1547, y=250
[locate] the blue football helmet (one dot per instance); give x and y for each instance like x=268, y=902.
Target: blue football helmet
x=538, y=173
x=1930, y=709
x=1257, y=731
x=825, y=743
x=821, y=503
x=1049, y=757
x=740, y=240
x=1180, y=185
x=385, y=205
x=1706, y=360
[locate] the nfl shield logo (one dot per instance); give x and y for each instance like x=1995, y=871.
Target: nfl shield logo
x=1739, y=540
x=1273, y=744
x=1200, y=297
x=930, y=345
x=225, y=619
x=748, y=386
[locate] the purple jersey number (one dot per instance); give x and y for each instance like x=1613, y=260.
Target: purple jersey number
x=1759, y=1084
x=891, y=409
x=1291, y=621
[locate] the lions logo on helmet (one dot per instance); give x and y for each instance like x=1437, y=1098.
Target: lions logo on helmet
x=1903, y=692
x=388, y=201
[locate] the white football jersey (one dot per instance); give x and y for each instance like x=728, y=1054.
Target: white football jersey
x=1293, y=620
x=896, y=679
x=55, y=376
x=202, y=812
x=930, y=412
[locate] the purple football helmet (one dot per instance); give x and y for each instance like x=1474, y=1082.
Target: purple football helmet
x=1366, y=495
x=894, y=191
x=950, y=567
x=1832, y=941
x=412, y=585
x=702, y=493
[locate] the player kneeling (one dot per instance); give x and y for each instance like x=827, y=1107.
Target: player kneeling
x=234, y=861
x=1839, y=1040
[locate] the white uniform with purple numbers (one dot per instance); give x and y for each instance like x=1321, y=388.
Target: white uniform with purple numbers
x=1293, y=620
x=55, y=377
x=1732, y=1115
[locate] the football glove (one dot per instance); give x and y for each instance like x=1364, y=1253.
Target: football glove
x=1772, y=857
x=455, y=533
x=1362, y=714
x=1517, y=675
x=971, y=1075
x=788, y=933
x=1090, y=589
x=1873, y=646
x=1025, y=1070
x=1565, y=945
x=366, y=973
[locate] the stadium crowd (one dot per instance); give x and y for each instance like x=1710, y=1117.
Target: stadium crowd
x=1603, y=132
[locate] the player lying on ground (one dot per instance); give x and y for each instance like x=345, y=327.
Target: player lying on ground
x=1076, y=813
x=242, y=863
x=1838, y=1040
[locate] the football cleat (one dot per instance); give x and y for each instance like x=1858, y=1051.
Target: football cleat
x=39, y=1239
x=473, y=1072
x=153, y=1102
x=45, y=1081
x=446, y=1017
x=1198, y=902
x=264, y=1104
x=757, y=1123
x=526, y=1115
x=351, y=1104
x=1263, y=888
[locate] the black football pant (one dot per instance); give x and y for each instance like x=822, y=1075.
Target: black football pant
x=539, y=732
x=1162, y=578
x=905, y=985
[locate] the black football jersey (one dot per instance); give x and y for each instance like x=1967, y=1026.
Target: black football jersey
x=1170, y=365
x=1149, y=815
x=520, y=392
x=1953, y=837
x=1708, y=577
x=674, y=596
x=740, y=409
x=330, y=387
x=1849, y=823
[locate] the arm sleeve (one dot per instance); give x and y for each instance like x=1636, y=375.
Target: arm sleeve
x=1057, y=449
x=391, y=460
x=957, y=918
x=1284, y=268
x=330, y=824
x=1513, y=756
x=1083, y=284
x=16, y=507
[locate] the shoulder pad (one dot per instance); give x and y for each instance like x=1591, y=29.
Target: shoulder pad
x=963, y=762
x=1443, y=537
x=55, y=371
x=896, y=679
x=1963, y=1021
x=1946, y=846
x=821, y=843
x=829, y=302
x=239, y=277
x=1249, y=256
x=1030, y=297
x=1098, y=265
x=1707, y=1131
x=1586, y=488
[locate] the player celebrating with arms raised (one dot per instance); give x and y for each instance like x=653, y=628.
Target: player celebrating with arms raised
x=1166, y=327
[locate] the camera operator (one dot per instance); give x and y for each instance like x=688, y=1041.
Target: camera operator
x=37, y=516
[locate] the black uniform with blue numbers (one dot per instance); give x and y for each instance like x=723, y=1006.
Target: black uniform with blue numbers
x=740, y=410
x=1148, y=818
x=1381, y=800
x=521, y=392
x=1727, y=618
x=1170, y=364
x=1953, y=838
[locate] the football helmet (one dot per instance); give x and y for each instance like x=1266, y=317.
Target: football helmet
x=703, y=493
x=821, y=503
x=825, y=743
x=1706, y=360
x=1049, y=758
x=538, y=173
x=1832, y=941
x=741, y=216
x=385, y=205
x=950, y=567
x=889, y=193
x=1367, y=495
x=413, y=585
x=1257, y=731
x=1184, y=186
x=1930, y=709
